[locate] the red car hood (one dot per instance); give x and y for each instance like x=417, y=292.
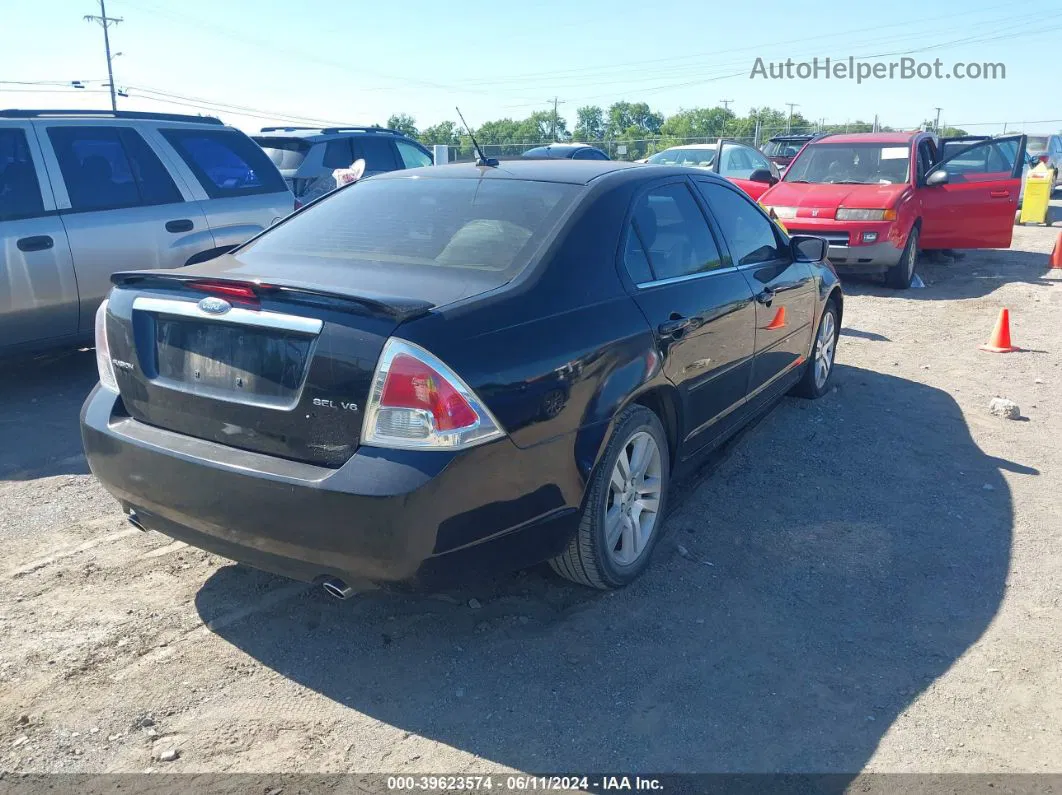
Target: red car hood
x=796, y=194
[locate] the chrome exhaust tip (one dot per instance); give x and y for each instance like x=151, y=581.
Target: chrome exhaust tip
x=134, y=520
x=333, y=586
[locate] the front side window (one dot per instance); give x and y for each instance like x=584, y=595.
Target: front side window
x=673, y=233
x=852, y=164
x=20, y=192
x=108, y=168
x=737, y=162
x=412, y=157
x=226, y=162
x=992, y=160
x=748, y=233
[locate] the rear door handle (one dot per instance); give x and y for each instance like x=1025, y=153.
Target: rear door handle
x=180, y=225
x=674, y=327
x=35, y=243
x=999, y=194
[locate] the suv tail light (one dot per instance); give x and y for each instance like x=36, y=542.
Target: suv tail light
x=103, y=350
x=1045, y=159
x=418, y=403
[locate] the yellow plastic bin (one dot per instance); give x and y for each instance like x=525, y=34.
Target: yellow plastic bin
x=1037, y=195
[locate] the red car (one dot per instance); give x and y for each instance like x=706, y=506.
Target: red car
x=880, y=197
x=744, y=166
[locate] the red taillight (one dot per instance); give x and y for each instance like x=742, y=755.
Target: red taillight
x=299, y=205
x=1045, y=159
x=411, y=384
x=238, y=292
x=418, y=403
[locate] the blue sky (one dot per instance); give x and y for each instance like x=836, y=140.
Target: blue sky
x=357, y=62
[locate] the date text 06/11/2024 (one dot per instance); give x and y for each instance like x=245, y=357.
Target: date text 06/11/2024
x=521, y=783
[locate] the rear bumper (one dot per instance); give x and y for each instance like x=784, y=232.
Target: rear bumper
x=385, y=515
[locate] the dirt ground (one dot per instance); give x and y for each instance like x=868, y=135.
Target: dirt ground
x=869, y=582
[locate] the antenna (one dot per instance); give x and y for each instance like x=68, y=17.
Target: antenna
x=483, y=159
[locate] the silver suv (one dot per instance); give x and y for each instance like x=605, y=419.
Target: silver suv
x=84, y=194
x=307, y=156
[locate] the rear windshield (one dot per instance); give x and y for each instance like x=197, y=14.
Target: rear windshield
x=489, y=225
x=852, y=164
x=782, y=148
x=286, y=153
x=1036, y=143
x=701, y=158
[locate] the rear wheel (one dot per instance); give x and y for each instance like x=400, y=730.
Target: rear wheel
x=624, y=510
x=899, y=275
x=819, y=368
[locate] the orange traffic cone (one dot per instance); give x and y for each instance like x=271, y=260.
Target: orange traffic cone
x=999, y=342
x=778, y=321
x=1056, y=255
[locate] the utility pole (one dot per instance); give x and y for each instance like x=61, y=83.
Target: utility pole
x=936, y=124
x=875, y=123
x=788, y=124
x=725, y=103
x=556, y=101
x=105, y=22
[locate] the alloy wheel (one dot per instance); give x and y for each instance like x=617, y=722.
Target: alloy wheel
x=632, y=510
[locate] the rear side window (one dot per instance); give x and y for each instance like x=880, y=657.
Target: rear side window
x=411, y=156
x=20, y=193
x=226, y=162
x=338, y=153
x=673, y=233
x=747, y=231
x=589, y=154
x=402, y=226
x=377, y=151
x=286, y=153
x=108, y=168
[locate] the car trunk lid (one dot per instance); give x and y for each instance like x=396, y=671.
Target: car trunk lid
x=278, y=369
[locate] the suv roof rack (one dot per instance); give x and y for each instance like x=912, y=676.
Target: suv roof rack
x=18, y=113
x=334, y=130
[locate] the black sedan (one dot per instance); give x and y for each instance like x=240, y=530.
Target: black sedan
x=456, y=369
x=565, y=152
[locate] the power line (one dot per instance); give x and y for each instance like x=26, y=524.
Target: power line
x=105, y=23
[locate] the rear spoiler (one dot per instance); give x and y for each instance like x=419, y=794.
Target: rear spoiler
x=399, y=309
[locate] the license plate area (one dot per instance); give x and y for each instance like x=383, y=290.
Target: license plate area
x=223, y=361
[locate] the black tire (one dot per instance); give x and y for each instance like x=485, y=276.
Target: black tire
x=808, y=386
x=899, y=275
x=587, y=560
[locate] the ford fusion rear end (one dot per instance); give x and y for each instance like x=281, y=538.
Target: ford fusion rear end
x=267, y=407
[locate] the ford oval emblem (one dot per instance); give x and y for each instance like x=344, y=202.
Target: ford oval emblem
x=214, y=306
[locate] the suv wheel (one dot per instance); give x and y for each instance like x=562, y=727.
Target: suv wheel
x=899, y=275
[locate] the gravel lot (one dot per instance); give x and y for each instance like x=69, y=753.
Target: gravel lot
x=869, y=582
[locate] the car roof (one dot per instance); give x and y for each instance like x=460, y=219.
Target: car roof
x=868, y=138
x=697, y=146
x=795, y=137
x=574, y=172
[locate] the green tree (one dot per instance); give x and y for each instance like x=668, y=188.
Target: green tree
x=590, y=123
x=445, y=132
x=404, y=123
x=705, y=124
x=626, y=116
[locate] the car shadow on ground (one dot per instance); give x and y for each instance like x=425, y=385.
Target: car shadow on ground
x=977, y=274
x=40, y=402
x=846, y=554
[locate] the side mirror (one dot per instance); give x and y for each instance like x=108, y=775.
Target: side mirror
x=762, y=175
x=806, y=248
x=937, y=178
